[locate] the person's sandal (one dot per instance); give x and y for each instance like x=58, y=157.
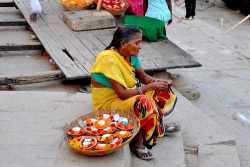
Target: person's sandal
x=185, y=18
x=171, y=130
x=138, y=151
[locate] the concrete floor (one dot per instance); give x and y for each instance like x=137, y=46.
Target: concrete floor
x=223, y=81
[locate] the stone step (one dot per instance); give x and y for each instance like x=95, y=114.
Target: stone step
x=168, y=150
x=38, y=120
x=44, y=115
x=206, y=143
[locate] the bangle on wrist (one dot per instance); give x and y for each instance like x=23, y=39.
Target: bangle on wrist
x=155, y=80
x=139, y=90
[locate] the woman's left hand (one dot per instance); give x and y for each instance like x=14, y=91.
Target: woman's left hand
x=169, y=82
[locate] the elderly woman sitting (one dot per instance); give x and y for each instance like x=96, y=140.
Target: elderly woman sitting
x=119, y=82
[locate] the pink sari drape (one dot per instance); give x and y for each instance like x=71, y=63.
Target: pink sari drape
x=136, y=7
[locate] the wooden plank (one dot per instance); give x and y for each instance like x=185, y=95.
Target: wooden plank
x=89, y=40
x=146, y=57
x=75, y=52
x=53, y=47
x=18, y=22
x=175, y=56
x=21, y=46
x=154, y=56
x=31, y=78
x=7, y=3
x=73, y=45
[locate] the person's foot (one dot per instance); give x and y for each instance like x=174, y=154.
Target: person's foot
x=193, y=17
x=170, y=130
x=187, y=18
x=142, y=152
x=33, y=17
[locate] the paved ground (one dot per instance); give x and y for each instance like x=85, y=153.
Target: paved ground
x=222, y=81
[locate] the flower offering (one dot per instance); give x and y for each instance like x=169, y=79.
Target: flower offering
x=74, y=143
x=108, y=117
x=76, y=131
x=92, y=130
x=101, y=124
x=102, y=146
x=116, y=142
x=121, y=126
x=77, y=2
x=123, y=134
x=109, y=129
x=91, y=121
x=113, y=124
x=87, y=143
x=78, y=137
x=113, y=4
x=106, y=137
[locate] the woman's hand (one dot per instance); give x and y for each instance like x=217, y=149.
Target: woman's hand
x=165, y=84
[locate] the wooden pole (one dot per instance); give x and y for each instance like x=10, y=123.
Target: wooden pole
x=98, y=5
x=236, y=25
x=180, y=3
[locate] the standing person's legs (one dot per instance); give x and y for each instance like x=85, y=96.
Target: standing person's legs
x=188, y=8
x=192, y=8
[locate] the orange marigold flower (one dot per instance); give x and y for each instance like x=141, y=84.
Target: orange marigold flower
x=101, y=124
x=74, y=143
x=102, y=146
x=123, y=134
x=119, y=125
x=108, y=130
x=91, y=121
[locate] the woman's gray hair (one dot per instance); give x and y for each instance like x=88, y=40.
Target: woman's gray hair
x=124, y=33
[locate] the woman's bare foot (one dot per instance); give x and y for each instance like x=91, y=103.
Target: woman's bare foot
x=33, y=17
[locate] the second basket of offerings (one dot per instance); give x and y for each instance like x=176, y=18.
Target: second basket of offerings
x=115, y=7
x=111, y=142
x=76, y=5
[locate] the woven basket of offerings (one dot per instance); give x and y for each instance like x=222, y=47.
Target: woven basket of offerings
x=115, y=9
x=76, y=5
x=132, y=119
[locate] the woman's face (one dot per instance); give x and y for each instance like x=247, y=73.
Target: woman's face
x=132, y=47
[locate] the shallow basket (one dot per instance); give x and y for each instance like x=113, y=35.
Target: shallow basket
x=116, y=12
x=75, y=7
x=132, y=119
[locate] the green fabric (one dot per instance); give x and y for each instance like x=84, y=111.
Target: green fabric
x=102, y=79
x=135, y=61
x=152, y=28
